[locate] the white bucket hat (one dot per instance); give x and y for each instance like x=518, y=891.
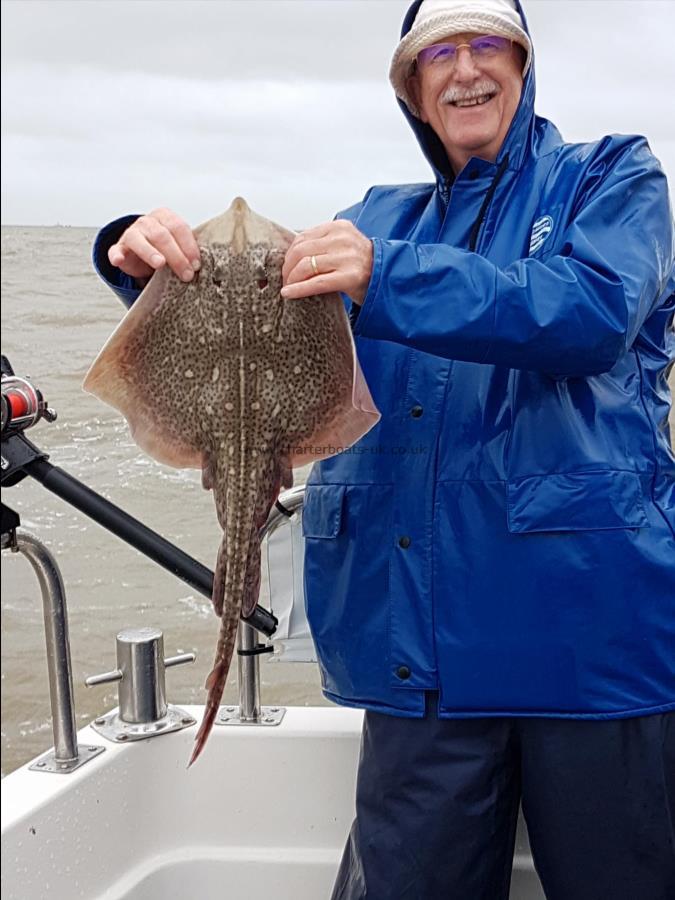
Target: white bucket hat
x=438, y=19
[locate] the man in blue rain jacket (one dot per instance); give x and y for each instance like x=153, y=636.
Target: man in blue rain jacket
x=490, y=572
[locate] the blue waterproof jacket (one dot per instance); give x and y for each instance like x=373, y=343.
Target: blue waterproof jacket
x=506, y=533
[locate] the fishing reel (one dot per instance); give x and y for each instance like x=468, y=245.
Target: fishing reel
x=22, y=404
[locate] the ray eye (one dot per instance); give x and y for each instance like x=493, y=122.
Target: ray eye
x=262, y=283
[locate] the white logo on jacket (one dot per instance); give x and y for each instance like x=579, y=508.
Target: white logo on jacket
x=540, y=231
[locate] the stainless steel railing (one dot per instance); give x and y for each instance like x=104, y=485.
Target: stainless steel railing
x=67, y=755
x=58, y=645
x=250, y=710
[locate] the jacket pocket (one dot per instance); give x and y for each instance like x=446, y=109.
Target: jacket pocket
x=578, y=501
x=347, y=531
x=322, y=511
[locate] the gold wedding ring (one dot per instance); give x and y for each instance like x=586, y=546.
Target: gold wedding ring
x=313, y=264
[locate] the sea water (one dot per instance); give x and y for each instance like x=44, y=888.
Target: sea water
x=56, y=315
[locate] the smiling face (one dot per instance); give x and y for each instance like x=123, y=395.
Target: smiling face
x=471, y=101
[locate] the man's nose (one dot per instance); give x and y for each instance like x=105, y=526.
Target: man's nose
x=465, y=66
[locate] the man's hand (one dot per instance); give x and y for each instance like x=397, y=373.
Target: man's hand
x=343, y=261
x=157, y=239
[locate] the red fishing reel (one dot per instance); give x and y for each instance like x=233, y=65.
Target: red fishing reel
x=22, y=404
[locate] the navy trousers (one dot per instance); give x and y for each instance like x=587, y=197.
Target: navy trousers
x=437, y=805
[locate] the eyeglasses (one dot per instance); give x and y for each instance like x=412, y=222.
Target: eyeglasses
x=484, y=47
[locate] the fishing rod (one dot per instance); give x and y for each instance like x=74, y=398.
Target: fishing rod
x=23, y=406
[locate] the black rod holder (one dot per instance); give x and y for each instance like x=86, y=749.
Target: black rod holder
x=138, y=535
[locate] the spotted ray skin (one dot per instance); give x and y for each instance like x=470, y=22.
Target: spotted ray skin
x=225, y=375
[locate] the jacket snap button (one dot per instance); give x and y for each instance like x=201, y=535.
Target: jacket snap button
x=403, y=672
x=404, y=542
x=416, y=412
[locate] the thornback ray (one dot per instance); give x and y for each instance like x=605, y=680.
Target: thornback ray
x=223, y=374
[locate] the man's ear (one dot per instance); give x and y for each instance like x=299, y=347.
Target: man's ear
x=414, y=89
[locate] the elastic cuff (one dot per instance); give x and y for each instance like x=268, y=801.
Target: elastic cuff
x=122, y=284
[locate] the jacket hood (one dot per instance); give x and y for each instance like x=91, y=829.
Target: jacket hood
x=518, y=140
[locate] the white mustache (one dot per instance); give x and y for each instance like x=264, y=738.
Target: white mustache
x=478, y=90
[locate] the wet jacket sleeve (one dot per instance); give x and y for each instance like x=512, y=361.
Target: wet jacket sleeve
x=572, y=314
x=123, y=285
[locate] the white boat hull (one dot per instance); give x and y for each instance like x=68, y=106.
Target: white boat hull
x=264, y=813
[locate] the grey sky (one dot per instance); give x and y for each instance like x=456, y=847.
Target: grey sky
x=113, y=107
